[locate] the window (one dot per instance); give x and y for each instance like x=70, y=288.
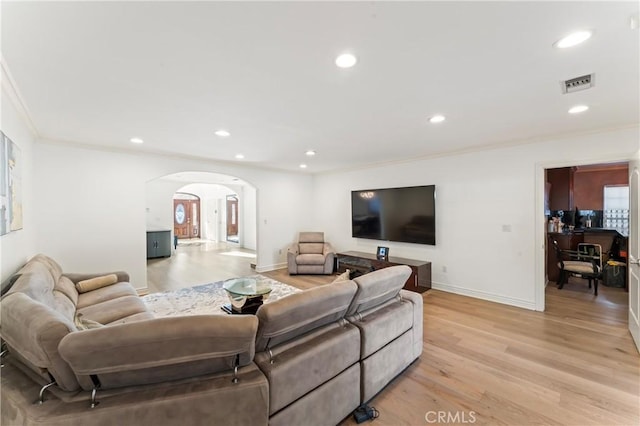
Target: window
x=616, y=208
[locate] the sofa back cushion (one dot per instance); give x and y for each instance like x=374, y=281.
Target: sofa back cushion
x=160, y=349
x=377, y=287
x=311, y=248
x=65, y=286
x=311, y=237
x=52, y=266
x=297, y=314
x=36, y=282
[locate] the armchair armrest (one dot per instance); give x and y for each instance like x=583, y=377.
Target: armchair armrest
x=293, y=249
x=159, y=349
x=77, y=277
x=328, y=249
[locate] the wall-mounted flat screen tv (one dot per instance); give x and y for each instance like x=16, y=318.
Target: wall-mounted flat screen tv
x=395, y=214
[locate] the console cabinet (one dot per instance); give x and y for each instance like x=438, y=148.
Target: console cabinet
x=158, y=244
x=419, y=281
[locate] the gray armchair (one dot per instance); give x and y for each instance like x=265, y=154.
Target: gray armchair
x=310, y=255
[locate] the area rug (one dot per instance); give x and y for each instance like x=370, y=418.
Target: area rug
x=205, y=299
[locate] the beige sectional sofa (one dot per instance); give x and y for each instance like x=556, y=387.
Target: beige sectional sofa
x=310, y=358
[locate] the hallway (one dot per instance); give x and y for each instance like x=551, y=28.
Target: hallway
x=198, y=262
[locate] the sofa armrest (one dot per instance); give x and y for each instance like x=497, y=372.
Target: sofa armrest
x=292, y=253
x=328, y=249
x=160, y=349
x=293, y=249
x=418, y=320
x=123, y=277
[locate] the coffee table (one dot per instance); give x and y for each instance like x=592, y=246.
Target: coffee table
x=246, y=295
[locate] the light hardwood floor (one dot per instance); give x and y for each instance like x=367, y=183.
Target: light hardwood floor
x=487, y=363
x=198, y=262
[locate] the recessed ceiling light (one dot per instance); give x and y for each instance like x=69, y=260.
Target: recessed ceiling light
x=578, y=109
x=239, y=156
x=136, y=140
x=573, y=39
x=346, y=60
x=222, y=133
x=303, y=166
x=310, y=153
x=437, y=118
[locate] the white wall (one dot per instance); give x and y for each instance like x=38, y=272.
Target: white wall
x=248, y=223
x=478, y=194
x=18, y=246
x=159, y=204
x=91, y=206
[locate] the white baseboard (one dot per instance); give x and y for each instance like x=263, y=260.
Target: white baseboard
x=519, y=303
x=267, y=268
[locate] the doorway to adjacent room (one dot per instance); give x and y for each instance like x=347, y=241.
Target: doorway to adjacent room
x=232, y=218
x=193, y=206
x=186, y=215
x=577, y=211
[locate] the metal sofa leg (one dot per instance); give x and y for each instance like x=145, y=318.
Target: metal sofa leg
x=44, y=388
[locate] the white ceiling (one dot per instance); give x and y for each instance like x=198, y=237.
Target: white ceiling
x=172, y=73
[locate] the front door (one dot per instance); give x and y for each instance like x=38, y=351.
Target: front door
x=634, y=249
x=186, y=218
x=232, y=218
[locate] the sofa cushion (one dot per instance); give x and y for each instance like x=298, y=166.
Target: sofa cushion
x=296, y=314
x=310, y=259
x=105, y=293
x=65, y=286
x=52, y=266
x=140, y=316
x=85, y=324
x=382, y=366
x=328, y=404
x=311, y=248
x=378, y=286
x=301, y=365
x=382, y=325
x=311, y=237
x=96, y=283
x=36, y=282
x=114, y=309
x=63, y=305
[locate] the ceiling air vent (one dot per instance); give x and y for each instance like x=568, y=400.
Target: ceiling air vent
x=579, y=83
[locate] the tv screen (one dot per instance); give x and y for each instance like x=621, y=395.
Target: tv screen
x=395, y=214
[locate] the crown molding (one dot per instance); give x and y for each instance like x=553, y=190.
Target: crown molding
x=481, y=148
x=10, y=88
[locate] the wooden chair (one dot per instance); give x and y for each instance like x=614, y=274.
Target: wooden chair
x=586, y=262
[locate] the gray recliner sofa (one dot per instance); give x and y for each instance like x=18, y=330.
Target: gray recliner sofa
x=135, y=369
x=310, y=255
x=309, y=358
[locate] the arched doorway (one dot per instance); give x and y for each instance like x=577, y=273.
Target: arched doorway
x=202, y=252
